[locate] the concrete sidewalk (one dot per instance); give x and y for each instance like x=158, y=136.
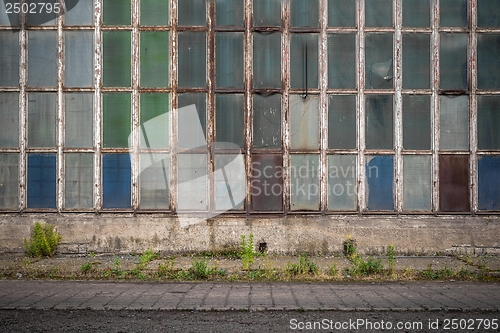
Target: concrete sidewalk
x=415, y=296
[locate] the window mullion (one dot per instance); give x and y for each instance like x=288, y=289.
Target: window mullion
x=173, y=104
x=473, y=105
x=360, y=6
x=398, y=114
x=211, y=104
x=435, y=103
x=135, y=128
x=286, y=104
x=97, y=106
x=248, y=97
x=60, y=116
x=323, y=105
x=23, y=76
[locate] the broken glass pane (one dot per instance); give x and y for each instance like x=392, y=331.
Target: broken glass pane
x=116, y=181
x=267, y=121
x=342, y=122
x=192, y=182
x=42, y=56
x=192, y=64
x=453, y=13
x=304, y=61
x=453, y=61
x=230, y=182
x=304, y=13
x=488, y=122
x=9, y=182
x=154, y=120
x=342, y=61
x=267, y=183
x=266, y=13
x=229, y=12
x=116, y=120
x=42, y=181
x=79, y=120
x=155, y=12
x=9, y=119
x=304, y=122
x=379, y=122
x=9, y=55
x=79, y=59
x=378, y=13
x=488, y=14
x=488, y=53
x=454, y=122
x=155, y=186
x=229, y=56
x=489, y=182
x=380, y=182
x=454, y=183
x=81, y=13
x=116, y=12
x=379, y=64
x=416, y=61
x=154, y=59
x=230, y=118
x=42, y=119
x=416, y=122
x=416, y=13
x=341, y=13
x=79, y=180
x=116, y=58
x=417, y=183
x=188, y=138
x=342, y=189
x=192, y=12
x=304, y=181
x=267, y=60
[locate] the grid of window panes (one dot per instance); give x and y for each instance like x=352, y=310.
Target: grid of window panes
x=336, y=105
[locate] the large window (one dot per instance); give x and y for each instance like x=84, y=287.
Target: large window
x=252, y=106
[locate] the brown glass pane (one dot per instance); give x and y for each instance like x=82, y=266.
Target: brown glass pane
x=454, y=183
x=266, y=188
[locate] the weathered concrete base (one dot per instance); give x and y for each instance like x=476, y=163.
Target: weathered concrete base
x=112, y=233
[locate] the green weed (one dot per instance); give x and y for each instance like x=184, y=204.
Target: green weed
x=43, y=242
x=304, y=266
x=391, y=260
x=247, y=252
x=86, y=268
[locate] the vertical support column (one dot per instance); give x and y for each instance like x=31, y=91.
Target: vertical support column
x=361, y=107
x=248, y=97
x=435, y=103
x=173, y=104
x=398, y=106
x=323, y=107
x=97, y=106
x=473, y=105
x=60, y=115
x=134, y=149
x=285, y=115
x=211, y=104
x=23, y=125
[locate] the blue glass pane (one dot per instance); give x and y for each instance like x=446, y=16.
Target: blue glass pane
x=380, y=179
x=41, y=181
x=489, y=183
x=116, y=181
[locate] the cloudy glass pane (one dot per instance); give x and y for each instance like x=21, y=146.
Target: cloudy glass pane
x=42, y=120
x=79, y=12
x=416, y=13
x=341, y=13
x=304, y=13
x=154, y=59
x=192, y=12
x=79, y=180
x=155, y=185
x=192, y=182
x=230, y=118
x=416, y=122
x=78, y=119
x=416, y=61
x=453, y=13
x=342, y=122
x=267, y=60
x=454, y=123
x=230, y=182
x=9, y=171
x=229, y=12
x=79, y=63
x=42, y=56
x=304, y=61
x=304, y=181
x=155, y=12
x=379, y=68
x=267, y=121
x=342, y=61
x=192, y=59
x=304, y=122
x=9, y=58
x=379, y=122
x=154, y=120
x=417, y=183
x=342, y=189
x=266, y=13
x=453, y=61
x=378, y=13
x=229, y=60
x=9, y=119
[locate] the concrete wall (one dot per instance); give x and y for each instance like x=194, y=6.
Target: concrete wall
x=112, y=233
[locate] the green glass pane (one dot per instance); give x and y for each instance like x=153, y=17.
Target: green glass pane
x=304, y=61
x=416, y=61
x=304, y=13
x=192, y=12
x=116, y=58
x=229, y=12
x=304, y=182
x=453, y=61
x=9, y=55
x=341, y=13
x=155, y=12
x=416, y=13
x=42, y=58
x=230, y=118
x=453, y=13
x=78, y=119
x=454, y=122
x=116, y=120
x=379, y=61
x=79, y=59
x=267, y=60
x=154, y=59
x=267, y=121
x=9, y=171
x=416, y=122
x=154, y=120
x=42, y=120
x=79, y=180
x=342, y=61
x=81, y=12
x=379, y=122
x=342, y=122
x=266, y=13
x=192, y=59
x=186, y=136
x=488, y=14
x=229, y=60
x=342, y=189
x=304, y=122
x=488, y=122
x=488, y=54
x=417, y=183
x=116, y=12
x=155, y=187
x=378, y=13
x=9, y=119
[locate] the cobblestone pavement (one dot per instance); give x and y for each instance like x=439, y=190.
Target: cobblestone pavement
x=415, y=296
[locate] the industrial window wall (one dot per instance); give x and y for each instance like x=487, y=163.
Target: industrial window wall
x=333, y=106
